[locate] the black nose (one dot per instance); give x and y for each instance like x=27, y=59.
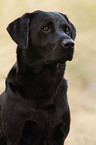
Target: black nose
x=68, y=43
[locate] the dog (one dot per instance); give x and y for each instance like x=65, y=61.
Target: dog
x=34, y=106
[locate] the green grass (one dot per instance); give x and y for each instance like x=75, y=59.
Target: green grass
x=81, y=72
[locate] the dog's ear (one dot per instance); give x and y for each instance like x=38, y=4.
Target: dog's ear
x=73, y=35
x=19, y=30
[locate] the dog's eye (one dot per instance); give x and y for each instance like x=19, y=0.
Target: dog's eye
x=45, y=28
x=67, y=30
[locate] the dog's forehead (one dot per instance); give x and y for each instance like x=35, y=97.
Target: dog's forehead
x=42, y=16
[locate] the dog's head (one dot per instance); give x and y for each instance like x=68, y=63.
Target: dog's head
x=46, y=37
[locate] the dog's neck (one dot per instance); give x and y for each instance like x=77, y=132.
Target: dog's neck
x=37, y=85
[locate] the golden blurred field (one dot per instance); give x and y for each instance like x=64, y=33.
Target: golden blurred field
x=80, y=73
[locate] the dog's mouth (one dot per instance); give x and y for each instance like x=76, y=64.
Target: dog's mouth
x=61, y=60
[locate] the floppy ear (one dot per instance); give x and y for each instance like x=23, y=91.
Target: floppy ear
x=73, y=35
x=19, y=30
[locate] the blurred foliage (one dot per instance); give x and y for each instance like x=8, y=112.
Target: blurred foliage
x=81, y=72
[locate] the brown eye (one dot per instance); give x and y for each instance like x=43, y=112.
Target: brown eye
x=45, y=28
x=67, y=31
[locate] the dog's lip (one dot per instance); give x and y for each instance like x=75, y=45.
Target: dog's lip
x=61, y=59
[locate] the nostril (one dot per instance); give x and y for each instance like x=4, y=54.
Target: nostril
x=72, y=44
x=67, y=43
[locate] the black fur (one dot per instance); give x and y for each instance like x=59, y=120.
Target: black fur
x=34, y=106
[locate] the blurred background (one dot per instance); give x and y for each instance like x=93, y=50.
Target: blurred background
x=80, y=73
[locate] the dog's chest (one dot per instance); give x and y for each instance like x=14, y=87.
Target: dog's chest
x=43, y=124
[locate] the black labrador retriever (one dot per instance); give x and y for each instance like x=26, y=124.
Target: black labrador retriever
x=34, y=106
